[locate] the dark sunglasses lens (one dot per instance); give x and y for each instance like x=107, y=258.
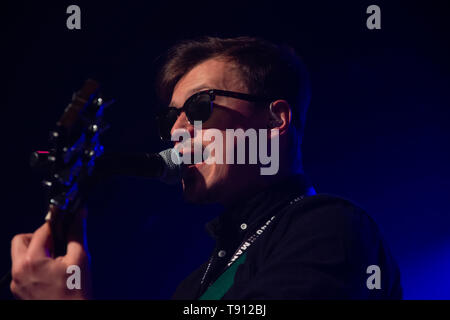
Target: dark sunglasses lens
x=199, y=108
x=166, y=120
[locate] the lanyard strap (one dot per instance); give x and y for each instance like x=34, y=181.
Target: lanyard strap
x=218, y=289
x=247, y=243
x=241, y=249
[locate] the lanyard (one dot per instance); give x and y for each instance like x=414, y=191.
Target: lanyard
x=247, y=243
x=242, y=248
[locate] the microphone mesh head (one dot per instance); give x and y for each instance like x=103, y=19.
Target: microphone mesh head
x=172, y=170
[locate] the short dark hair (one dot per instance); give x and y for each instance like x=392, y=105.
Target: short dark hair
x=267, y=69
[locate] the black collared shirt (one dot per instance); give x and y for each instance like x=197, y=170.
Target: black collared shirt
x=318, y=247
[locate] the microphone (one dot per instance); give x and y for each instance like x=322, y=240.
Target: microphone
x=165, y=165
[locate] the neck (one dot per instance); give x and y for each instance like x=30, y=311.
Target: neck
x=256, y=185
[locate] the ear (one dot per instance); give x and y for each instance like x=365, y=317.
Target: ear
x=280, y=115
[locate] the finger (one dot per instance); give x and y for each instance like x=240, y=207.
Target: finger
x=14, y=289
x=19, y=246
x=76, y=237
x=40, y=244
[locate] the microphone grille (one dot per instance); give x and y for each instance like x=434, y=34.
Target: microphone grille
x=172, y=170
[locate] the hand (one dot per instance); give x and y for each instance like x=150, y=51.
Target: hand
x=36, y=275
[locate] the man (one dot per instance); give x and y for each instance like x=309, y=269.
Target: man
x=276, y=239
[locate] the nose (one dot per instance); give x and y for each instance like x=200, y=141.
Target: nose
x=183, y=123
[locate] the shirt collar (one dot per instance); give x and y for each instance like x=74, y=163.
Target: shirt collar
x=245, y=214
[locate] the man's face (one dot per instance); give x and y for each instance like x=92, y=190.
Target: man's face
x=215, y=182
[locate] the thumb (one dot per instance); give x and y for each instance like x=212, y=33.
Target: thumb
x=76, y=237
x=40, y=244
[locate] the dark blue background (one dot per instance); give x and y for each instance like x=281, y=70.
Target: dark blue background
x=378, y=129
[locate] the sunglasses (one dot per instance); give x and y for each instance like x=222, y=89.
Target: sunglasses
x=197, y=107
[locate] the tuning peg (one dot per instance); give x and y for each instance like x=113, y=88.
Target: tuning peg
x=89, y=153
x=59, y=201
x=98, y=101
x=57, y=135
x=93, y=128
x=64, y=177
x=41, y=158
x=47, y=183
x=99, y=127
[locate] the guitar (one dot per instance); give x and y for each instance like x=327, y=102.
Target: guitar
x=74, y=147
x=75, y=162
x=69, y=163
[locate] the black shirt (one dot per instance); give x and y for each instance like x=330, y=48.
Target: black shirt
x=317, y=247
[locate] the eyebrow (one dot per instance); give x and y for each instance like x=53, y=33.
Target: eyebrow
x=193, y=91
x=199, y=88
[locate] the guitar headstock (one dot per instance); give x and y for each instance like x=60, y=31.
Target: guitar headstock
x=74, y=147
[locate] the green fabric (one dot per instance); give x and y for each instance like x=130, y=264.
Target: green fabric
x=218, y=289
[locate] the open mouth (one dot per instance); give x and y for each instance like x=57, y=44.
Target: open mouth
x=196, y=165
x=194, y=158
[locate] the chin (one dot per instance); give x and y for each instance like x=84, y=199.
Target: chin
x=201, y=183
x=192, y=193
